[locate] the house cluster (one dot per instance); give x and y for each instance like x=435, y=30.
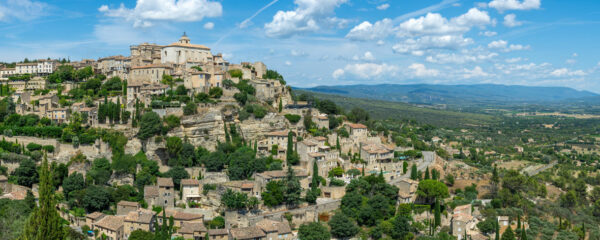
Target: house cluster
x=463, y=223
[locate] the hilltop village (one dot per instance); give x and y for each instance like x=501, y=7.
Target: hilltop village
x=175, y=137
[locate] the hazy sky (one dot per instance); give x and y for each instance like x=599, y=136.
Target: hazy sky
x=326, y=42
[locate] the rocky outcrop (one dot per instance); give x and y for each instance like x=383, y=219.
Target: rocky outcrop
x=257, y=128
x=202, y=129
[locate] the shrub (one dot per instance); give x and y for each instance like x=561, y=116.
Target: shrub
x=33, y=147
x=215, y=92
x=293, y=118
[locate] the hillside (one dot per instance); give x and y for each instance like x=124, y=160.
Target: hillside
x=456, y=95
x=384, y=109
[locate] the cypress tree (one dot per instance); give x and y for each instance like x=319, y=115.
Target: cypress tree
x=226, y=132
x=413, y=172
x=290, y=147
x=508, y=234
x=44, y=222
x=337, y=145
x=523, y=234
x=315, y=178
x=280, y=105
x=497, y=231
x=437, y=213
x=518, y=222
x=427, y=173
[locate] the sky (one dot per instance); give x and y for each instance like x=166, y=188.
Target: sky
x=332, y=42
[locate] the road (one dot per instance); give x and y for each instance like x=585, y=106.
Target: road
x=532, y=172
x=422, y=164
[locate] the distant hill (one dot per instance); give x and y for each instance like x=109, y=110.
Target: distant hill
x=457, y=94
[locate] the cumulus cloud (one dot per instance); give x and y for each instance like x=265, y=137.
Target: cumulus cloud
x=564, y=72
x=419, y=70
x=146, y=12
x=503, y=5
x=504, y=46
x=513, y=60
x=383, y=6
x=366, y=70
x=417, y=46
x=209, y=25
x=476, y=72
x=368, y=56
x=309, y=16
x=367, y=31
x=298, y=53
x=23, y=10
x=443, y=58
x=510, y=20
x=488, y=33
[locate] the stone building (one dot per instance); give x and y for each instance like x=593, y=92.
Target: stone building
x=140, y=219
x=124, y=207
x=460, y=225
x=180, y=218
x=192, y=230
x=145, y=54
x=115, y=66
x=321, y=120
x=162, y=194
x=275, y=229
x=151, y=74
x=247, y=233
x=277, y=138
x=111, y=226
x=190, y=190
x=261, y=179
x=407, y=189
x=218, y=234
x=183, y=51
x=91, y=218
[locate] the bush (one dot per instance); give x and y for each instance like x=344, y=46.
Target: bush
x=215, y=92
x=33, y=147
x=293, y=118
x=259, y=112
x=190, y=109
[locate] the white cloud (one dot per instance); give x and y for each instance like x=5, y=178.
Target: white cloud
x=510, y=20
x=380, y=42
x=383, y=6
x=366, y=70
x=298, y=53
x=564, y=72
x=23, y=10
x=502, y=5
x=477, y=72
x=367, y=56
x=513, y=60
x=571, y=61
x=444, y=58
x=421, y=71
x=288, y=63
x=434, y=23
x=309, y=16
x=488, y=33
x=504, y=46
x=416, y=46
x=146, y=12
x=367, y=31
x=209, y=25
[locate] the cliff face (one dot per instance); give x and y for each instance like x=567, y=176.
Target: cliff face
x=203, y=129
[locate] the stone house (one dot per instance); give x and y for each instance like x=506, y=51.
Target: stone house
x=218, y=234
x=91, y=218
x=190, y=190
x=333, y=192
x=357, y=130
x=463, y=209
x=192, y=230
x=124, y=207
x=277, y=138
x=275, y=229
x=58, y=115
x=460, y=224
x=248, y=187
x=115, y=66
x=3, y=183
x=141, y=219
x=321, y=120
x=151, y=73
x=261, y=179
x=179, y=217
x=162, y=194
x=111, y=226
x=407, y=189
x=247, y=233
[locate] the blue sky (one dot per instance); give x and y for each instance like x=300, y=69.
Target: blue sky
x=328, y=42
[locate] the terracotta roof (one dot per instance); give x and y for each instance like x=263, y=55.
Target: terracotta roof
x=190, y=182
x=239, y=184
x=376, y=148
x=188, y=45
x=247, y=233
x=320, y=138
x=140, y=216
x=151, y=191
x=316, y=154
x=217, y=232
x=111, y=222
x=119, y=57
x=164, y=182
x=462, y=207
x=309, y=143
x=128, y=204
x=282, y=173
x=192, y=227
x=463, y=217
x=152, y=66
x=278, y=134
x=356, y=125
x=177, y=215
x=95, y=215
x=268, y=225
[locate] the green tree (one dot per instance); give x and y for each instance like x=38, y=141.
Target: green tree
x=96, y=198
x=404, y=167
x=508, y=234
x=414, y=175
x=273, y=195
x=313, y=231
x=432, y=189
x=342, y=226
x=215, y=92
x=124, y=164
x=26, y=174
x=73, y=182
x=290, y=146
x=174, y=146
x=293, y=190
x=140, y=235
x=44, y=222
x=150, y=125
x=280, y=107
x=165, y=230
x=177, y=173
x=437, y=213
x=190, y=109
x=101, y=171
x=234, y=200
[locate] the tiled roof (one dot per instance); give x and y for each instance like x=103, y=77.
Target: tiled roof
x=191, y=227
x=152, y=66
x=128, y=204
x=268, y=225
x=190, y=182
x=376, y=148
x=217, y=232
x=95, y=215
x=151, y=191
x=320, y=138
x=463, y=217
x=247, y=233
x=356, y=125
x=462, y=207
x=188, y=45
x=278, y=134
x=177, y=215
x=282, y=173
x=140, y=216
x=111, y=222
x=164, y=182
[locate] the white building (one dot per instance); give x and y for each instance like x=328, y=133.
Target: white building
x=183, y=51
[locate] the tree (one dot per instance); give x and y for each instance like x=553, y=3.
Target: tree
x=140, y=235
x=215, y=161
x=290, y=146
x=313, y=231
x=280, y=107
x=414, y=175
x=351, y=203
x=101, y=171
x=487, y=226
x=26, y=174
x=72, y=183
x=44, y=222
x=342, y=226
x=234, y=200
x=437, y=213
x=243, y=163
x=96, y=198
x=404, y=167
x=400, y=228
x=165, y=230
x=432, y=189
x=150, y=125
x=190, y=109
x=174, y=147
x=177, y=173
x=293, y=190
x=427, y=173
x=508, y=234
x=215, y=92
x=273, y=195
x=124, y=164
x=497, y=231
